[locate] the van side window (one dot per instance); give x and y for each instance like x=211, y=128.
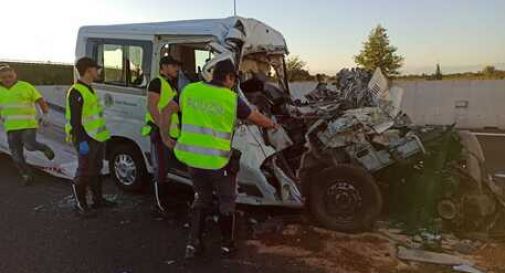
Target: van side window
x=134, y=63
x=124, y=63
x=113, y=65
x=192, y=55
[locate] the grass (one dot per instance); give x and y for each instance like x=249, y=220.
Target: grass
x=44, y=73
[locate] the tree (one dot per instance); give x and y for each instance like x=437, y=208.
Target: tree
x=438, y=73
x=296, y=70
x=489, y=70
x=378, y=52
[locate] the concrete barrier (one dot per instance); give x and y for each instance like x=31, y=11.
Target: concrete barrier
x=54, y=94
x=472, y=104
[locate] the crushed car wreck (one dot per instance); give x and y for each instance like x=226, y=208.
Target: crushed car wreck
x=352, y=149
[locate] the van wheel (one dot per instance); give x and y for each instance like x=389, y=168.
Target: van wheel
x=127, y=167
x=345, y=198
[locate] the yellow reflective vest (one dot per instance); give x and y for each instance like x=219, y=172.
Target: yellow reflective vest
x=166, y=95
x=92, y=115
x=17, y=106
x=208, y=122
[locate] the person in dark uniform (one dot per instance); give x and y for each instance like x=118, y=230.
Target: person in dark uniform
x=209, y=113
x=160, y=91
x=88, y=133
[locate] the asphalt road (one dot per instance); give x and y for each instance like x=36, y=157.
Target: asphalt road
x=40, y=233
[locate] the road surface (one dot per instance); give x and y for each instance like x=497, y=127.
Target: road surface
x=40, y=233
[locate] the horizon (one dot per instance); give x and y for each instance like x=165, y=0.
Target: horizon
x=462, y=38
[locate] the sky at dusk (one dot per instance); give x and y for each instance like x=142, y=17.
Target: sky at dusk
x=461, y=35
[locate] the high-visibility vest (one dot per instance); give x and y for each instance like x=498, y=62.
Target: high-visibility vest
x=17, y=107
x=208, y=121
x=166, y=95
x=92, y=115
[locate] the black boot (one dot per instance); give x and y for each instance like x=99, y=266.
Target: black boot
x=195, y=245
x=79, y=189
x=227, y=227
x=96, y=189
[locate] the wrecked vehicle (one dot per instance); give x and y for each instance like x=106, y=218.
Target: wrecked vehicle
x=331, y=156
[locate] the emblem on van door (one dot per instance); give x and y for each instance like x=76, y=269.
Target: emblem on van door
x=108, y=100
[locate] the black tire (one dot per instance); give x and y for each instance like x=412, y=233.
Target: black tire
x=345, y=198
x=127, y=167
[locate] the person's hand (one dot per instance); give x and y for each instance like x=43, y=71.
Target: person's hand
x=170, y=143
x=44, y=120
x=83, y=148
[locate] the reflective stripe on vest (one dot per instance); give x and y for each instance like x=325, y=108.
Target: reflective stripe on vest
x=166, y=95
x=206, y=131
x=208, y=122
x=92, y=115
x=17, y=108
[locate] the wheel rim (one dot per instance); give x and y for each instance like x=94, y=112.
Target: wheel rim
x=125, y=169
x=343, y=201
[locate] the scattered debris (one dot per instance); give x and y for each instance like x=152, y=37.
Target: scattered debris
x=353, y=85
x=430, y=257
x=320, y=93
x=467, y=246
x=466, y=268
x=169, y=262
x=39, y=207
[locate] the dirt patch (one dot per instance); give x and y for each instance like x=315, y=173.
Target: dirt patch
x=492, y=257
x=328, y=251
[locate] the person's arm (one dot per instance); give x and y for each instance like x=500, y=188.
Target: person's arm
x=39, y=100
x=43, y=105
x=153, y=98
x=261, y=120
x=152, y=106
x=246, y=113
x=166, y=120
x=75, y=104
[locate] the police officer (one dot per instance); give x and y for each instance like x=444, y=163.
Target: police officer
x=161, y=91
x=86, y=129
x=19, y=115
x=209, y=114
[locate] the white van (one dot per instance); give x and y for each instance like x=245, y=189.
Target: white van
x=130, y=55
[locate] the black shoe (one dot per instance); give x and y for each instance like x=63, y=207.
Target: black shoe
x=228, y=249
x=192, y=251
x=84, y=212
x=49, y=154
x=103, y=203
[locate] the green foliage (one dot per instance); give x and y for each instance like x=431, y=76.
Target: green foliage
x=487, y=73
x=378, y=52
x=438, y=73
x=44, y=73
x=296, y=70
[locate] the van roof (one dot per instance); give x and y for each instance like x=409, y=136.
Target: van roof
x=257, y=36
